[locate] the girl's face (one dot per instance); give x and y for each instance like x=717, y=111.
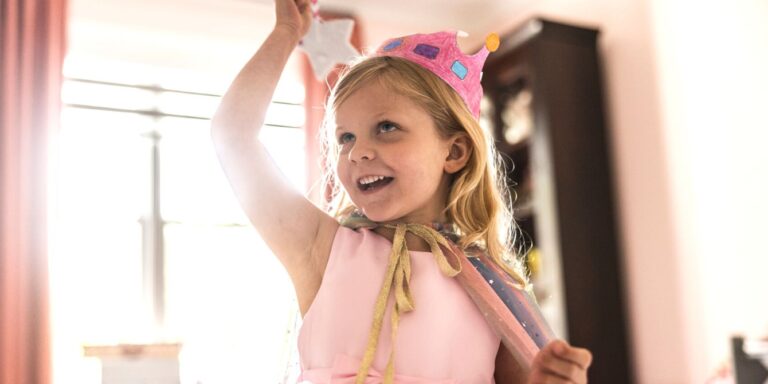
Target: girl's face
x=392, y=162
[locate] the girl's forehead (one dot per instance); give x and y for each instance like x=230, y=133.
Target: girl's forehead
x=371, y=101
x=377, y=88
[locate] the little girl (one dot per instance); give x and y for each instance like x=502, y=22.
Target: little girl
x=377, y=294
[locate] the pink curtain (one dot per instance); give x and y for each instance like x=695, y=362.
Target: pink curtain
x=32, y=46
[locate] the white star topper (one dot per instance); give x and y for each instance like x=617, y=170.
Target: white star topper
x=327, y=43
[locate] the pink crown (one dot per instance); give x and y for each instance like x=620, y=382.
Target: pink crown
x=439, y=53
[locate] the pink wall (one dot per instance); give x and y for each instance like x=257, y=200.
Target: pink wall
x=713, y=59
x=688, y=155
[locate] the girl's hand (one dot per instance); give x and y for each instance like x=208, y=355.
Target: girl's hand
x=293, y=15
x=558, y=363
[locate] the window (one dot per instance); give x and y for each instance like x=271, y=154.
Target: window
x=134, y=178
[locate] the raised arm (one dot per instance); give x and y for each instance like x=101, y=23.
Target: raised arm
x=293, y=227
x=244, y=105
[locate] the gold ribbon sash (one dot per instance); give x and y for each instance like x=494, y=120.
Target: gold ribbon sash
x=399, y=275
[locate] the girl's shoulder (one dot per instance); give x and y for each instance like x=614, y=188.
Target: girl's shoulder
x=338, y=240
x=357, y=239
x=334, y=242
x=341, y=236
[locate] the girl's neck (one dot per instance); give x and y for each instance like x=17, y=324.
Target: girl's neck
x=414, y=243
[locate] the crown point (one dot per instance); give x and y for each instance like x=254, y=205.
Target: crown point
x=492, y=42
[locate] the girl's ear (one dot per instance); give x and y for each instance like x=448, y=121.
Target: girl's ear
x=458, y=153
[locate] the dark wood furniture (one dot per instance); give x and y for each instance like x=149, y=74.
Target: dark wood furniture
x=545, y=98
x=749, y=367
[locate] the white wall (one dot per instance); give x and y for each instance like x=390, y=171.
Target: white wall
x=685, y=84
x=207, y=37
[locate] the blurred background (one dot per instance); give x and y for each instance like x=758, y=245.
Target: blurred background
x=119, y=227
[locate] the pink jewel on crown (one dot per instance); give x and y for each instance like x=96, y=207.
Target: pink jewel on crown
x=439, y=53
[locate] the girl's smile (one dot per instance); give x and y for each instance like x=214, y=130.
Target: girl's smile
x=370, y=184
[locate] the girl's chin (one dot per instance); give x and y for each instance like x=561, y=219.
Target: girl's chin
x=378, y=217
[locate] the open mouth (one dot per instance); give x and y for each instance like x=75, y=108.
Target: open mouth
x=372, y=183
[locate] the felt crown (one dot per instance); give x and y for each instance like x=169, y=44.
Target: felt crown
x=439, y=53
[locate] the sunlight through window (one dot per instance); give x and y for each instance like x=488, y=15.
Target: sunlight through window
x=227, y=299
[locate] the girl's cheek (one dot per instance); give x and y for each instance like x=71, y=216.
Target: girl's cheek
x=339, y=173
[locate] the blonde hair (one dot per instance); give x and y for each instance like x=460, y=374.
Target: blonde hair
x=478, y=202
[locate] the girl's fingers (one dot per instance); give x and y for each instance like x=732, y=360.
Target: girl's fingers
x=301, y=5
x=548, y=367
x=560, y=363
x=305, y=9
x=579, y=356
x=540, y=377
x=294, y=14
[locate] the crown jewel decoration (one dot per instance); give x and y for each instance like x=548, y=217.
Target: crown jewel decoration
x=439, y=53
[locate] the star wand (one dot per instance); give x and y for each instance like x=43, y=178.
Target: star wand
x=327, y=43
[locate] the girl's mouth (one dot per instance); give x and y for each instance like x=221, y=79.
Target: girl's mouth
x=373, y=183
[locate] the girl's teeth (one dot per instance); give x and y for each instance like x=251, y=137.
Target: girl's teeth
x=370, y=179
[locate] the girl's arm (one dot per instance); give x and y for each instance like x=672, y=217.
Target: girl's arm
x=297, y=232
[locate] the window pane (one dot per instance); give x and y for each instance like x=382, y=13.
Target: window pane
x=194, y=187
x=99, y=192
x=105, y=95
x=287, y=115
x=230, y=302
x=188, y=104
x=286, y=146
x=228, y=299
x=290, y=88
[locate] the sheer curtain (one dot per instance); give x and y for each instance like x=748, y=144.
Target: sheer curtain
x=32, y=46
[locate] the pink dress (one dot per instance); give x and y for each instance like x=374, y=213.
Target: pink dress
x=445, y=339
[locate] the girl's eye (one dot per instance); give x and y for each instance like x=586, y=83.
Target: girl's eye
x=346, y=137
x=387, y=126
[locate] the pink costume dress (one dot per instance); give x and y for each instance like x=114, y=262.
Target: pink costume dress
x=445, y=339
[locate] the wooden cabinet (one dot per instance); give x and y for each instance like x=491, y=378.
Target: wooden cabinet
x=544, y=104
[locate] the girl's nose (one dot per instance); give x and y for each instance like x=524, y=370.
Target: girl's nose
x=361, y=151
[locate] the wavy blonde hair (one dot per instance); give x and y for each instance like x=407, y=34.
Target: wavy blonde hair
x=478, y=202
